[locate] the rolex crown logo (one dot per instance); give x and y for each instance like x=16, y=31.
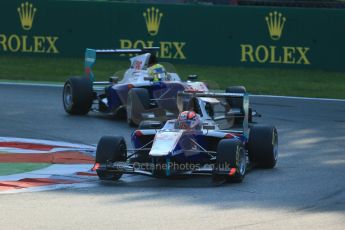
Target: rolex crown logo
x=152, y=18
x=26, y=13
x=275, y=22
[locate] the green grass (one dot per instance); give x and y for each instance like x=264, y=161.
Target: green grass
x=309, y=83
x=14, y=168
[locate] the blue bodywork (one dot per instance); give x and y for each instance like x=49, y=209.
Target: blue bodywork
x=190, y=147
x=204, y=147
x=117, y=94
x=162, y=93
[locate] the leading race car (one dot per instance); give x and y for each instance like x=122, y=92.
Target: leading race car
x=206, y=138
x=140, y=95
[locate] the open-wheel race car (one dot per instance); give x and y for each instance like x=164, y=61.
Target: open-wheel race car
x=211, y=136
x=141, y=94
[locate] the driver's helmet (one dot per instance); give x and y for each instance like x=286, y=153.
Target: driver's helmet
x=157, y=71
x=188, y=120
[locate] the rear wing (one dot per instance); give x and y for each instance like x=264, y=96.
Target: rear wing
x=90, y=56
x=244, y=107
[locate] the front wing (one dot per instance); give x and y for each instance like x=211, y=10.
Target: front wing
x=148, y=169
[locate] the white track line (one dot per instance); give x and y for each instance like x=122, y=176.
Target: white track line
x=51, y=187
x=53, y=150
x=61, y=170
x=252, y=95
x=300, y=98
x=59, y=85
x=46, y=142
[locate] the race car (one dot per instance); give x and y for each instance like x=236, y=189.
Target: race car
x=140, y=95
x=205, y=139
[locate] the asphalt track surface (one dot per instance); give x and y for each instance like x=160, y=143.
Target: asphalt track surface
x=305, y=191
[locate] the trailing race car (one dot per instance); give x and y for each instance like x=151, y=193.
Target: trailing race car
x=140, y=95
x=206, y=138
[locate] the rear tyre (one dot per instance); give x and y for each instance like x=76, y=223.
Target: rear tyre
x=138, y=101
x=236, y=102
x=77, y=96
x=110, y=149
x=263, y=146
x=231, y=154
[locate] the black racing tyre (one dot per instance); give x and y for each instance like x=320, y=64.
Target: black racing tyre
x=236, y=89
x=250, y=115
x=150, y=125
x=138, y=100
x=110, y=149
x=263, y=146
x=231, y=154
x=77, y=96
x=236, y=102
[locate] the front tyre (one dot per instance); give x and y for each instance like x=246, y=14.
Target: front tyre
x=231, y=160
x=77, y=96
x=109, y=150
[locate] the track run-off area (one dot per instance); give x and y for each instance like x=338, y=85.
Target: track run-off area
x=306, y=190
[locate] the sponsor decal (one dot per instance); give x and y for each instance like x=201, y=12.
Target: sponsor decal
x=26, y=13
x=25, y=43
x=275, y=23
x=153, y=17
x=275, y=53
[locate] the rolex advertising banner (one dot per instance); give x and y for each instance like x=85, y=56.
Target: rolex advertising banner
x=192, y=34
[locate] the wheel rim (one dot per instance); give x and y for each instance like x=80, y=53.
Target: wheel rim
x=275, y=144
x=67, y=96
x=242, y=162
